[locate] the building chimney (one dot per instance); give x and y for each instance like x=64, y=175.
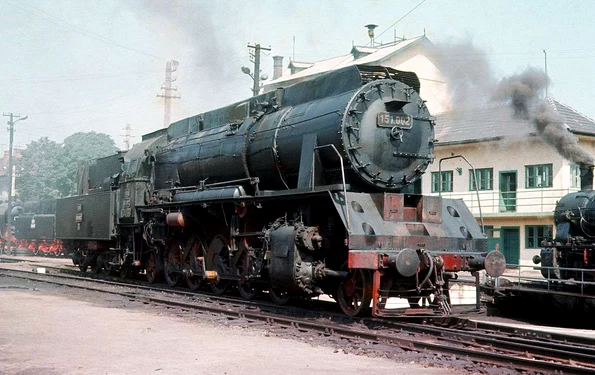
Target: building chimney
x=277, y=66
x=371, y=28
x=586, y=177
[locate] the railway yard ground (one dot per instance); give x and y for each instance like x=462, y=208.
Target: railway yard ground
x=56, y=329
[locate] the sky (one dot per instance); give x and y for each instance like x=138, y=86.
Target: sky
x=97, y=65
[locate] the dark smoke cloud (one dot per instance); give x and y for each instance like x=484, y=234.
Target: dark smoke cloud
x=467, y=72
x=470, y=79
x=552, y=129
x=524, y=93
x=523, y=90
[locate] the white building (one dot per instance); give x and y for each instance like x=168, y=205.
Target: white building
x=520, y=177
x=413, y=55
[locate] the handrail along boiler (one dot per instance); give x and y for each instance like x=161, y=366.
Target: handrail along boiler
x=298, y=192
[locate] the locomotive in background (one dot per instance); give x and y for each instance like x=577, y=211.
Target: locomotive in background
x=573, y=248
x=33, y=226
x=297, y=192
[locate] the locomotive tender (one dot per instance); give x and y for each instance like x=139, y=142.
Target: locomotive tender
x=296, y=191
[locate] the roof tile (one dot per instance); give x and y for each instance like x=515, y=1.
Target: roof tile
x=497, y=121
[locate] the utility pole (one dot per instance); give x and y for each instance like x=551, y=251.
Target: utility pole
x=10, y=123
x=127, y=135
x=255, y=58
x=170, y=67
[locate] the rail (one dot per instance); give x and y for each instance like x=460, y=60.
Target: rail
x=460, y=339
x=528, y=278
x=342, y=177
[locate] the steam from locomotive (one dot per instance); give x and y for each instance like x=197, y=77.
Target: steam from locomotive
x=524, y=90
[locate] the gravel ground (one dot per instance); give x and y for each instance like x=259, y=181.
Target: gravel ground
x=58, y=330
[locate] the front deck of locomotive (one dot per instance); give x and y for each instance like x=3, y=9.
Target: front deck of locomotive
x=400, y=245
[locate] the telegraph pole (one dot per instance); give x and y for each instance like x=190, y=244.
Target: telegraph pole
x=255, y=56
x=170, y=67
x=127, y=135
x=10, y=123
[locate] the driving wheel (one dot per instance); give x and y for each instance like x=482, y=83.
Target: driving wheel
x=195, y=250
x=219, y=261
x=171, y=262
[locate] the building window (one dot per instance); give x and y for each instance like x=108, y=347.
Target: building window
x=575, y=176
x=538, y=176
x=446, y=182
x=489, y=231
x=534, y=234
x=484, y=176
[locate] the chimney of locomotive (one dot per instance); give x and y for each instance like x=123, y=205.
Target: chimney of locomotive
x=371, y=28
x=277, y=67
x=586, y=177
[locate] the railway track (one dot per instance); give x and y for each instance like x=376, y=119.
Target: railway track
x=480, y=343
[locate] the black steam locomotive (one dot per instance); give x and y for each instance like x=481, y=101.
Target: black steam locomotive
x=573, y=248
x=33, y=228
x=297, y=192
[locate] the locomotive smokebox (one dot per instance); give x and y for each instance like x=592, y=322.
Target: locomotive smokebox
x=586, y=177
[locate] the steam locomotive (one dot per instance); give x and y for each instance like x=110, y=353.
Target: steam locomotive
x=297, y=192
x=33, y=226
x=573, y=248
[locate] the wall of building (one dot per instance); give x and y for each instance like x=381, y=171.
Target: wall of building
x=433, y=86
x=534, y=206
x=413, y=58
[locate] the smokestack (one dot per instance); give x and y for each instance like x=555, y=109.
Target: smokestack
x=371, y=28
x=586, y=177
x=277, y=66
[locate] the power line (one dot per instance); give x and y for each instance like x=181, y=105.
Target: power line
x=391, y=26
x=86, y=107
x=132, y=75
x=400, y=19
x=60, y=22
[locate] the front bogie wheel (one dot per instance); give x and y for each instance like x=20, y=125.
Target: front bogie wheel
x=247, y=289
x=354, y=295
x=279, y=296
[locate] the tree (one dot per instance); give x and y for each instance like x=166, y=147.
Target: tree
x=37, y=170
x=80, y=147
x=48, y=169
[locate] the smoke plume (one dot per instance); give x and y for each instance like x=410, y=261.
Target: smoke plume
x=553, y=130
x=468, y=73
x=210, y=52
x=523, y=91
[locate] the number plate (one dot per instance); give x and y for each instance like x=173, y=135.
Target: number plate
x=389, y=120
